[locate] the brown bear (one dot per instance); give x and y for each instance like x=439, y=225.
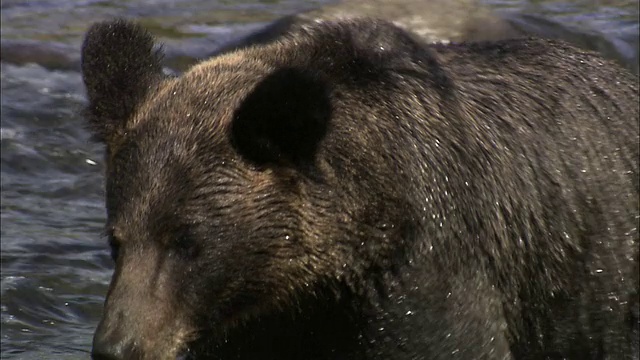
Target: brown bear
x=432, y=21
x=348, y=191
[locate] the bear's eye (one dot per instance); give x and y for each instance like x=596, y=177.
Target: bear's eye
x=114, y=244
x=185, y=244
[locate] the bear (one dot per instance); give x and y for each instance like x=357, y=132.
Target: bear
x=432, y=21
x=349, y=191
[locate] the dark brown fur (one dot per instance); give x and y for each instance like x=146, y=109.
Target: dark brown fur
x=349, y=192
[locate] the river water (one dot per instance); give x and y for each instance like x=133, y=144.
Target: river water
x=55, y=262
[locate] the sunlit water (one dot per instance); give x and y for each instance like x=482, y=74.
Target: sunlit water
x=55, y=264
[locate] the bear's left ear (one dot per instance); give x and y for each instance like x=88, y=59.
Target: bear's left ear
x=283, y=119
x=119, y=65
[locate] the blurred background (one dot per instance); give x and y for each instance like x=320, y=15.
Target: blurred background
x=55, y=262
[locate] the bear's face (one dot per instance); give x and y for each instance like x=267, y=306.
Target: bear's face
x=241, y=195
x=208, y=181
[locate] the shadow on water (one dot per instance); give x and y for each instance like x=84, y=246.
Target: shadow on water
x=55, y=264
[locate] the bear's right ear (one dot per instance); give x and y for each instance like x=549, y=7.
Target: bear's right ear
x=119, y=66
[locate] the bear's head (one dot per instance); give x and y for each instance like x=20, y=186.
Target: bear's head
x=222, y=202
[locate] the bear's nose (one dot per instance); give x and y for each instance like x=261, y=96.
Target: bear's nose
x=106, y=346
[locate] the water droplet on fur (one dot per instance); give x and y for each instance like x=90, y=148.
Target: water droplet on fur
x=381, y=329
x=599, y=271
x=286, y=237
x=409, y=313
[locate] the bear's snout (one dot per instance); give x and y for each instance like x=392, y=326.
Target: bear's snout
x=109, y=345
x=141, y=319
x=115, y=345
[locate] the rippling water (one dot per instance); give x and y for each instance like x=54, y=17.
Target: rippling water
x=55, y=264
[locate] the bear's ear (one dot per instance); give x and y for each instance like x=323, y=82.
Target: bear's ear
x=119, y=65
x=283, y=119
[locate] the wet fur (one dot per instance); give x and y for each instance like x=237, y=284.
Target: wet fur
x=349, y=192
